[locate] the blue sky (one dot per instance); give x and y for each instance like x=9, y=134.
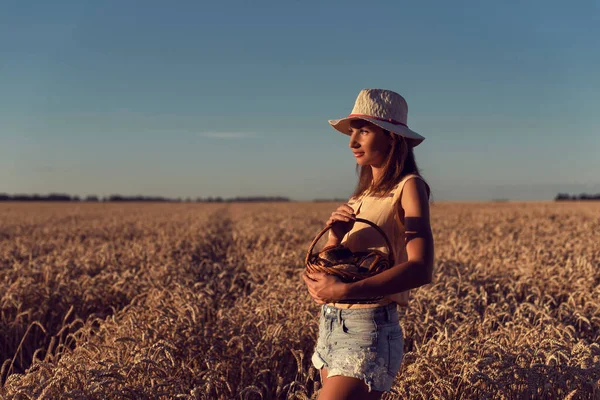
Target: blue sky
x=232, y=98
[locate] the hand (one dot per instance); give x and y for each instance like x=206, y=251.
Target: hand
x=324, y=288
x=342, y=221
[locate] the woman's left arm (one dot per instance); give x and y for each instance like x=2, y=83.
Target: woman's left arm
x=418, y=269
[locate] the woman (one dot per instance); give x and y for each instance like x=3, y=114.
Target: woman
x=360, y=344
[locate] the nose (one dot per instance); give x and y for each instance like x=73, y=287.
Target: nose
x=353, y=142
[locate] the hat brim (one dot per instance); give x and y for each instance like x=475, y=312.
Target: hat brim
x=343, y=125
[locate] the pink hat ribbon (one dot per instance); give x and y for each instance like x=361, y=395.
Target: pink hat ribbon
x=393, y=121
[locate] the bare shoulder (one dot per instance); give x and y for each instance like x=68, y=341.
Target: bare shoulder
x=415, y=199
x=418, y=234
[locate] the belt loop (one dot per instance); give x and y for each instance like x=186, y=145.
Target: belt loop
x=339, y=315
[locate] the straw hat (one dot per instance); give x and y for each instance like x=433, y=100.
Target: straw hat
x=383, y=108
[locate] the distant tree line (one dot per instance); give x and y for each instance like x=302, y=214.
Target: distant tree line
x=119, y=198
x=210, y=199
x=338, y=200
x=582, y=196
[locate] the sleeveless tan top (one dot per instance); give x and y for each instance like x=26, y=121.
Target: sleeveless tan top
x=383, y=212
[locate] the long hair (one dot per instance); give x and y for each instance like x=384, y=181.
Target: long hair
x=400, y=161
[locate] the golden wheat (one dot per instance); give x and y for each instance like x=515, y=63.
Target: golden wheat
x=205, y=301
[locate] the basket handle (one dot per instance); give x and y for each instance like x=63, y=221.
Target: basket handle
x=366, y=221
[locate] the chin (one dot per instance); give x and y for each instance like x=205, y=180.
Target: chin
x=362, y=161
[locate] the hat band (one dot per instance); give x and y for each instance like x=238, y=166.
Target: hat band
x=393, y=121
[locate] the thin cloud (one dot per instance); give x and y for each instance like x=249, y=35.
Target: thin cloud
x=228, y=135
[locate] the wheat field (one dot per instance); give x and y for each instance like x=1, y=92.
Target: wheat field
x=205, y=301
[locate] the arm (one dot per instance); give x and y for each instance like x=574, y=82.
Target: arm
x=331, y=240
x=418, y=270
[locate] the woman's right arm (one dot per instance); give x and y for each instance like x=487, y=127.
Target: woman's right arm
x=332, y=241
x=341, y=221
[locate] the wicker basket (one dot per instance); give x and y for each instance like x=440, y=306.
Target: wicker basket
x=347, y=265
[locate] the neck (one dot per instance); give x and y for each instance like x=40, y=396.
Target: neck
x=377, y=173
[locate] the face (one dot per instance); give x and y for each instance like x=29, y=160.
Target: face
x=368, y=142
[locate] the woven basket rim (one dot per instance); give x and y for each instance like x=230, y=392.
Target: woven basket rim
x=390, y=255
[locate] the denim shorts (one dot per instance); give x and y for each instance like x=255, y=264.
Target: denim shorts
x=364, y=343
